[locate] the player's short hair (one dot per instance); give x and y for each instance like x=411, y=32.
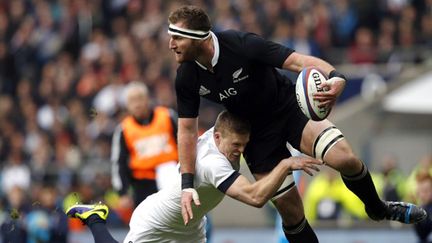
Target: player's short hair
x=193, y=17
x=228, y=122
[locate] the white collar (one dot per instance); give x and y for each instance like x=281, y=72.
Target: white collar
x=215, y=58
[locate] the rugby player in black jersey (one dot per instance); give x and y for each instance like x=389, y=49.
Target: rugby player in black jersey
x=238, y=70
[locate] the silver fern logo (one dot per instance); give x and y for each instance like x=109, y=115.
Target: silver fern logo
x=237, y=73
x=236, y=76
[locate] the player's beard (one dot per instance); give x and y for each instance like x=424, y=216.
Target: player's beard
x=192, y=53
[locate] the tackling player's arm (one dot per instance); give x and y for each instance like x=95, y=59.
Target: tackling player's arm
x=258, y=193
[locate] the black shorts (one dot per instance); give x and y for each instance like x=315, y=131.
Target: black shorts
x=269, y=137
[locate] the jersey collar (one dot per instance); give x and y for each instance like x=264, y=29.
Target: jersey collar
x=216, y=52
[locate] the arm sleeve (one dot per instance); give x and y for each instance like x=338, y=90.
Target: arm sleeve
x=120, y=172
x=223, y=187
x=187, y=90
x=220, y=173
x=268, y=52
x=174, y=117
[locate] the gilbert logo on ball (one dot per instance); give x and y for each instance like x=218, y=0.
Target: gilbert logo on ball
x=308, y=83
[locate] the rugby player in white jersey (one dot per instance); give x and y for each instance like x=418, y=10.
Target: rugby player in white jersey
x=159, y=217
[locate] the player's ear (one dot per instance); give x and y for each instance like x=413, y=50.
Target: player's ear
x=217, y=137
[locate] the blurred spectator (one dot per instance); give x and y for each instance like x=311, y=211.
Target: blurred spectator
x=13, y=228
x=426, y=29
x=37, y=225
x=46, y=222
x=363, y=49
x=144, y=148
x=7, y=69
x=41, y=162
x=225, y=19
x=406, y=38
x=46, y=38
x=344, y=21
x=16, y=172
x=301, y=40
x=109, y=99
x=393, y=179
x=424, y=195
x=386, y=39
x=283, y=32
x=322, y=32
x=425, y=164
x=393, y=7
x=327, y=198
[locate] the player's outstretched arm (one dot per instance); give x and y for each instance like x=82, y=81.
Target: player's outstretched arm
x=258, y=193
x=187, y=141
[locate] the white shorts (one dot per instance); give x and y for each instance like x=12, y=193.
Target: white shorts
x=162, y=237
x=147, y=227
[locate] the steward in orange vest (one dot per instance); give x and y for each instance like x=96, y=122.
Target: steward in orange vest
x=144, y=140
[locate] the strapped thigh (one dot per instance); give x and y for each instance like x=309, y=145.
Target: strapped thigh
x=325, y=141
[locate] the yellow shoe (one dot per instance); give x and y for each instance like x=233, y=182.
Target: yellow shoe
x=84, y=211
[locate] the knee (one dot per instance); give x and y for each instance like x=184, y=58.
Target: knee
x=348, y=157
x=343, y=159
x=352, y=164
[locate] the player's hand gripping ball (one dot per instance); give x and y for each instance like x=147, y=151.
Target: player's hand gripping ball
x=308, y=83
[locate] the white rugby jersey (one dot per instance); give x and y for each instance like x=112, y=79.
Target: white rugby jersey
x=159, y=219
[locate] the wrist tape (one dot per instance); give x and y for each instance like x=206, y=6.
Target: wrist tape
x=187, y=180
x=335, y=73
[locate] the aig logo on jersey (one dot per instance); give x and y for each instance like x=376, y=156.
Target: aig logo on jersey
x=236, y=76
x=226, y=93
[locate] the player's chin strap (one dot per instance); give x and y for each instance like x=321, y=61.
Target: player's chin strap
x=325, y=141
x=287, y=185
x=188, y=33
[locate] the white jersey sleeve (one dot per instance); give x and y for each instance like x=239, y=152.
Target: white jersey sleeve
x=216, y=170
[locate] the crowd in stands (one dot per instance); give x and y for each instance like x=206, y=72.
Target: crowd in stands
x=64, y=64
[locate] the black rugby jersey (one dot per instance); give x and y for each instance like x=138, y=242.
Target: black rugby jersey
x=245, y=79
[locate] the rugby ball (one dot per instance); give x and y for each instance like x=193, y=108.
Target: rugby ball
x=308, y=83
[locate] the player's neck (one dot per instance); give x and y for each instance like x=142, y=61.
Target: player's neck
x=207, y=54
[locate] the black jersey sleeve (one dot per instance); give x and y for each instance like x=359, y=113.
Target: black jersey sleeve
x=121, y=174
x=187, y=90
x=257, y=48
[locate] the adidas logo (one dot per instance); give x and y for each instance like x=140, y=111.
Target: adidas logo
x=237, y=73
x=203, y=91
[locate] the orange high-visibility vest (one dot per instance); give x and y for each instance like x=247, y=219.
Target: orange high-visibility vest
x=149, y=145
